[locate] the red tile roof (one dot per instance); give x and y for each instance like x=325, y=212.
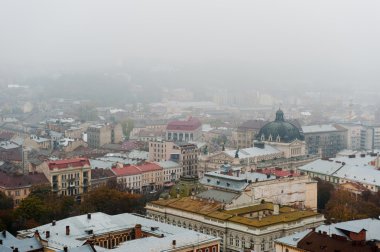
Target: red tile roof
x=147, y=167
x=126, y=170
x=129, y=170
x=278, y=173
x=18, y=181
x=188, y=125
x=65, y=163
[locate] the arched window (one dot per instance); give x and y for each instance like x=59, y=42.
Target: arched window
x=270, y=139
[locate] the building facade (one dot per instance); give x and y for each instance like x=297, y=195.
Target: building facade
x=19, y=187
x=254, y=228
x=326, y=140
x=244, y=135
x=119, y=233
x=99, y=135
x=184, y=130
x=68, y=176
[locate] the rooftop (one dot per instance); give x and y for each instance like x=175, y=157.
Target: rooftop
x=214, y=210
x=66, y=163
x=253, y=152
x=102, y=224
x=190, y=124
x=359, y=169
x=19, y=181
x=9, y=242
x=321, y=128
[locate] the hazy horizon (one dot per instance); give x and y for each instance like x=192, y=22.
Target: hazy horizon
x=319, y=43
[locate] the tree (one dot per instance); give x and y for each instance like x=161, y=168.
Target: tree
x=127, y=127
x=5, y=202
x=324, y=191
x=111, y=201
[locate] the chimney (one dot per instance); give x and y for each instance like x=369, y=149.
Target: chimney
x=53, y=223
x=1, y=242
x=174, y=243
x=65, y=249
x=47, y=234
x=67, y=230
x=4, y=233
x=15, y=250
x=138, y=232
x=89, y=216
x=36, y=234
x=276, y=209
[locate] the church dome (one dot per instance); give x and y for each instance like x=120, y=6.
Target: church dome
x=280, y=131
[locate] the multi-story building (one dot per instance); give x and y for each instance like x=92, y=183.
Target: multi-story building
x=19, y=186
x=361, y=169
x=326, y=140
x=186, y=154
x=99, y=135
x=357, y=235
x=184, y=131
x=128, y=177
x=236, y=188
x=252, y=227
x=10, y=151
x=101, y=177
x=188, y=158
x=245, y=134
x=119, y=233
x=143, y=178
x=161, y=151
x=68, y=176
x=172, y=171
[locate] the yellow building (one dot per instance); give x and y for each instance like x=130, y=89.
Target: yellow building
x=19, y=187
x=68, y=176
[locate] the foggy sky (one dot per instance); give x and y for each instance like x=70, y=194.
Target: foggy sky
x=325, y=41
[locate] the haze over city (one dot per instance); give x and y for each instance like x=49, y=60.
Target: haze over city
x=178, y=126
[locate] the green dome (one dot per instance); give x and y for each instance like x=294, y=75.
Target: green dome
x=279, y=131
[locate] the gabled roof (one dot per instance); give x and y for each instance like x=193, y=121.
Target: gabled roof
x=19, y=181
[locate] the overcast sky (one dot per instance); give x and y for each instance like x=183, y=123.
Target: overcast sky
x=339, y=39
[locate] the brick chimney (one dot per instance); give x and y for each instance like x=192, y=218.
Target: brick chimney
x=361, y=236
x=138, y=232
x=67, y=230
x=276, y=209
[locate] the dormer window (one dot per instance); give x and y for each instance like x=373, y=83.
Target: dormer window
x=270, y=139
x=262, y=137
x=278, y=139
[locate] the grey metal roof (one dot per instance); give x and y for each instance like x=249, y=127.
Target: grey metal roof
x=22, y=244
x=319, y=128
x=253, y=152
x=354, y=169
x=168, y=164
x=293, y=239
x=101, y=223
x=217, y=195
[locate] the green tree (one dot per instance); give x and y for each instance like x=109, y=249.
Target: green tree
x=127, y=126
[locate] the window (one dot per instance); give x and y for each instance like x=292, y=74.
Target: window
x=262, y=245
x=237, y=242
x=214, y=249
x=231, y=240
x=17, y=193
